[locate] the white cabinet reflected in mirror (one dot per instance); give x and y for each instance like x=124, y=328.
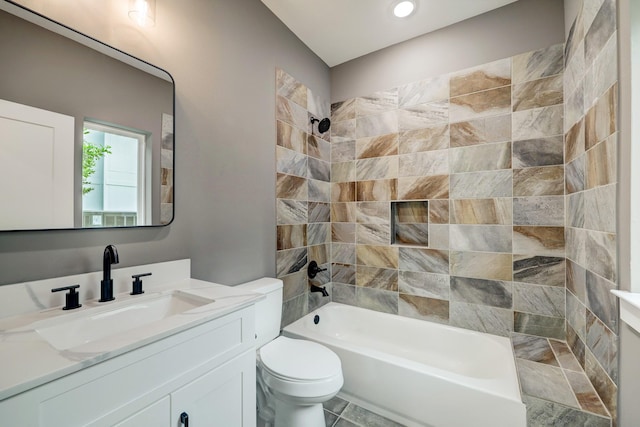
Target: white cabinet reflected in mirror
x=86, y=131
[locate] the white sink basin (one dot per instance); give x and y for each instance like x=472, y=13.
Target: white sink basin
x=93, y=324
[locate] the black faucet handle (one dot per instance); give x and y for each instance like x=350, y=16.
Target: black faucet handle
x=137, y=283
x=72, y=298
x=314, y=269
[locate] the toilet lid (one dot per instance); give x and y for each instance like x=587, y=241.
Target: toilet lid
x=299, y=360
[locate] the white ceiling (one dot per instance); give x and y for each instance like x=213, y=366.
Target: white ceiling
x=341, y=30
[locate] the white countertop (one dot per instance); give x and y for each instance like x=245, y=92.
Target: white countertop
x=629, y=308
x=28, y=360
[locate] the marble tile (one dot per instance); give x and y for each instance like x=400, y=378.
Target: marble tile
x=544, y=413
x=294, y=309
x=291, y=211
x=343, y=192
x=430, y=187
x=538, y=152
x=601, y=163
x=576, y=315
x=574, y=106
x=538, y=123
x=424, y=164
x=481, y=238
x=538, y=181
x=320, y=254
x=288, y=87
x=576, y=345
x=343, y=273
x=380, y=124
x=373, y=234
x=423, y=116
x=589, y=11
x=575, y=70
x=343, y=232
x=538, y=64
x=484, y=292
x=292, y=138
x=291, y=162
x=317, y=106
x=439, y=212
x=575, y=141
x=432, y=89
x=543, y=210
x=534, y=349
x=335, y=405
x=482, y=211
x=480, y=157
x=318, y=148
x=343, y=253
x=577, y=280
x=604, y=71
x=376, y=168
x=576, y=34
x=377, y=299
x=375, y=191
x=601, y=119
x=481, y=265
x=481, y=131
x=423, y=260
x=542, y=300
x=343, y=131
x=362, y=417
x=329, y=418
x=291, y=113
x=377, y=256
x=481, y=184
x=345, y=110
x=601, y=302
x=318, y=233
x=319, y=191
x=291, y=236
x=373, y=213
x=343, y=212
x=575, y=244
x=294, y=284
x=344, y=293
x=603, y=385
x=290, y=261
x=539, y=270
x=343, y=151
x=600, y=208
x=538, y=93
x=486, y=76
x=428, y=139
x=482, y=318
x=586, y=395
x=417, y=307
x=601, y=252
x=491, y=102
x=377, y=146
x=598, y=339
x=575, y=210
x=603, y=26
x=291, y=187
x=344, y=423
x=548, y=241
x=411, y=234
x=319, y=169
x=378, y=102
x=430, y=285
x=535, y=324
x=378, y=278
x=343, y=171
x=411, y=212
x=439, y=236
x=575, y=175
x=565, y=356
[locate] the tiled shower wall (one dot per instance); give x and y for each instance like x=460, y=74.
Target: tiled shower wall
x=303, y=195
x=591, y=93
x=481, y=150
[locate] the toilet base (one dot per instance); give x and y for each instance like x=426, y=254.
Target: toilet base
x=291, y=414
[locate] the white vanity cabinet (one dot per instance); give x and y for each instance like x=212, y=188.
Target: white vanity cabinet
x=206, y=372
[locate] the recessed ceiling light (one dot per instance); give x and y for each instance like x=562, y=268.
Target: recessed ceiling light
x=404, y=8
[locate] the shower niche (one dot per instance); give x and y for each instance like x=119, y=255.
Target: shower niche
x=410, y=223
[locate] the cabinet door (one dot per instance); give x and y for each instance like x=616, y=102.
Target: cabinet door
x=224, y=397
x=156, y=414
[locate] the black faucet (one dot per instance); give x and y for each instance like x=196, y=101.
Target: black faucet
x=315, y=288
x=106, y=285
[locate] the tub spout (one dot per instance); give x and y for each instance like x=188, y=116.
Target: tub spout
x=315, y=288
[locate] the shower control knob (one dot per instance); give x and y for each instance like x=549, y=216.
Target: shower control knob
x=313, y=269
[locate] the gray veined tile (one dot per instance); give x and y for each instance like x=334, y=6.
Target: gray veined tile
x=380, y=124
x=411, y=234
x=343, y=151
x=601, y=254
x=544, y=413
x=538, y=152
x=600, y=208
x=319, y=191
x=538, y=123
x=577, y=280
x=343, y=171
x=343, y=253
x=565, y=356
x=576, y=34
x=481, y=131
x=376, y=168
x=319, y=169
x=491, y=102
x=294, y=284
x=288, y=87
x=548, y=241
x=427, y=139
x=480, y=157
x=481, y=238
x=542, y=300
x=493, y=320
x=344, y=294
x=363, y=417
x=378, y=278
x=598, y=338
x=539, y=325
x=604, y=71
x=379, y=102
x=345, y=110
x=377, y=299
x=600, y=300
x=589, y=11
x=574, y=106
x=601, y=29
x=424, y=164
x=541, y=210
x=575, y=244
x=373, y=234
x=546, y=382
x=294, y=309
x=477, y=185
x=534, y=349
x=486, y=76
x=377, y=146
x=576, y=315
x=539, y=270
x=318, y=233
x=422, y=284
x=433, y=89
x=291, y=113
x=418, y=307
x=439, y=236
x=373, y=213
x=575, y=70
x=539, y=181
x=575, y=175
x=343, y=273
x=538, y=93
x=317, y=106
x=343, y=131
x=480, y=291
x=537, y=64
x=319, y=212
x=424, y=260
x=291, y=162
x=290, y=261
x=291, y=211
x=423, y=115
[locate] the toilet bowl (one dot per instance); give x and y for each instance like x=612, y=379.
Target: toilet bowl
x=294, y=377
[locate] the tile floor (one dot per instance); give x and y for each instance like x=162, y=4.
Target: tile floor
x=341, y=413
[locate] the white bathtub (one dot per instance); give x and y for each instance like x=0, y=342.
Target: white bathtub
x=419, y=373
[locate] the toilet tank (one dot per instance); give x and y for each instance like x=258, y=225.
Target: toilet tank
x=268, y=310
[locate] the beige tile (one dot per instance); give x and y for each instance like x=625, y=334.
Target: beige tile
x=379, y=190
x=481, y=265
x=481, y=104
x=481, y=211
x=431, y=187
x=378, y=146
x=486, y=76
x=377, y=256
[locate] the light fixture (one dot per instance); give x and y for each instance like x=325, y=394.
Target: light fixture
x=143, y=12
x=404, y=8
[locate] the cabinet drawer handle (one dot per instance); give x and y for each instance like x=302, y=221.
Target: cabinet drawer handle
x=184, y=419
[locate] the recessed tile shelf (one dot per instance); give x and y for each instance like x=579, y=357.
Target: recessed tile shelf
x=410, y=224
x=629, y=308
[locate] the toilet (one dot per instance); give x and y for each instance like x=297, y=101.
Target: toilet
x=294, y=377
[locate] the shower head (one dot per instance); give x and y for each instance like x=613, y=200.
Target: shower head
x=323, y=125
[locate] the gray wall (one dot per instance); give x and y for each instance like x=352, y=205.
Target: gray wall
x=518, y=27
x=222, y=55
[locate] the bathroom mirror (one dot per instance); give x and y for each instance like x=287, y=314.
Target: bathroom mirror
x=86, y=131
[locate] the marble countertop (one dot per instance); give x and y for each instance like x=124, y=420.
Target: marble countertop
x=29, y=360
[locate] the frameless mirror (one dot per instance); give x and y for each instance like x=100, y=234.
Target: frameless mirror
x=86, y=131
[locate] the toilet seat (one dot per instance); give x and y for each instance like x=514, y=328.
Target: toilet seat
x=300, y=368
